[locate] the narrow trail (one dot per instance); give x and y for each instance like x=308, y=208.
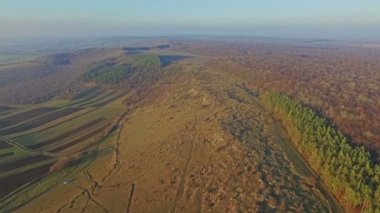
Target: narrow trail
x=324, y=190
x=131, y=197
x=181, y=184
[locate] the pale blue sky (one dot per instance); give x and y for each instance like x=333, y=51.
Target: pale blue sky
x=291, y=18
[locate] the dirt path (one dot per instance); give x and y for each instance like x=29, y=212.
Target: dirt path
x=181, y=184
x=300, y=161
x=131, y=197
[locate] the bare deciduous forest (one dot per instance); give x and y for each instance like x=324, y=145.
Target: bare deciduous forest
x=340, y=82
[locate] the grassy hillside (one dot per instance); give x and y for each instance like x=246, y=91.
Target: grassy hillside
x=192, y=139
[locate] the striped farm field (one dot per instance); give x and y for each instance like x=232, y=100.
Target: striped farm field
x=17, y=154
x=53, y=123
x=89, y=102
x=80, y=139
x=106, y=112
x=13, y=182
x=23, y=116
x=67, y=134
x=37, y=137
x=21, y=163
x=39, y=121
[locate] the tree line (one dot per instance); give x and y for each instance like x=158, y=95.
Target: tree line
x=348, y=171
x=111, y=72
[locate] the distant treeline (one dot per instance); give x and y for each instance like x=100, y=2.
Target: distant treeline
x=347, y=170
x=111, y=72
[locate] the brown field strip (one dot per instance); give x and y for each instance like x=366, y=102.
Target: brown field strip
x=79, y=140
x=39, y=121
x=13, y=182
x=22, y=162
x=7, y=154
x=67, y=134
x=14, y=119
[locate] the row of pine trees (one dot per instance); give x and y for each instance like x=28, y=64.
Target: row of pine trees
x=346, y=170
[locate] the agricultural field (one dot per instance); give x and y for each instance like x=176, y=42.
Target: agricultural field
x=34, y=139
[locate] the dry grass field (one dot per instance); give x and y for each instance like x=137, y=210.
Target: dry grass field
x=198, y=141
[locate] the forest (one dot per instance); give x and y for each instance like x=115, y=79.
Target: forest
x=111, y=72
x=347, y=170
x=339, y=81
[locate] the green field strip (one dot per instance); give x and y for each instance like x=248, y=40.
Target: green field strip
x=17, y=154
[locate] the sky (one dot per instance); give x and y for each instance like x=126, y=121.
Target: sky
x=274, y=18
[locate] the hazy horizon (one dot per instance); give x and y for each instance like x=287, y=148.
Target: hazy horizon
x=294, y=18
